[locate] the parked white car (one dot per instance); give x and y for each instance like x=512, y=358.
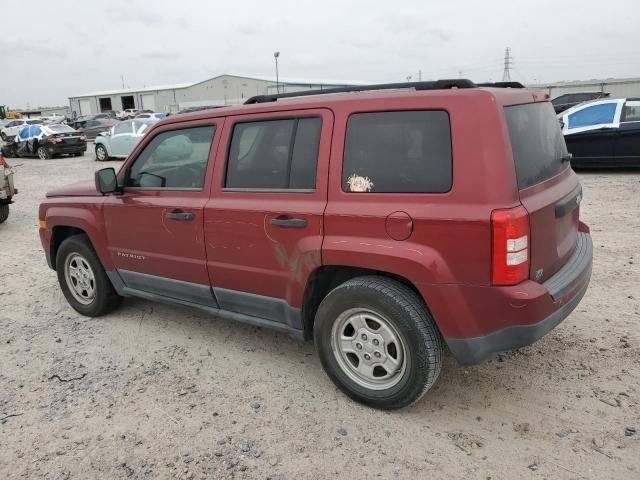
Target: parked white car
x=11, y=129
x=119, y=140
x=156, y=117
x=52, y=119
x=127, y=114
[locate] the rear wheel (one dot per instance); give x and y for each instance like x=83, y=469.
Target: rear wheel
x=101, y=153
x=43, y=153
x=377, y=342
x=4, y=212
x=82, y=278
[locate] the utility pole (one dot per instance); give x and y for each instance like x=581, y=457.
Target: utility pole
x=508, y=61
x=419, y=75
x=122, y=76
x=276, y=55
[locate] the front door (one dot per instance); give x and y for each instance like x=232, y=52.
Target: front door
x=264, y=222
x=155, y=228
x=120, y=135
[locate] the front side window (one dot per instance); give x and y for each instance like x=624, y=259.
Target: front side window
x=122, y=128
x=593, y=115
x=398, y=152
x=24, y=133
x=175, y=159
x=274, y=154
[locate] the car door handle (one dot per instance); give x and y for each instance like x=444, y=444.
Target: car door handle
x=178, y=215
x=288, y=222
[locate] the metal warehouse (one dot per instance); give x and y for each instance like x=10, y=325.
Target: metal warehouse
x=221, y=90
x=616, y=87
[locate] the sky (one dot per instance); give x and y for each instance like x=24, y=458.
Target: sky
x=53, y=50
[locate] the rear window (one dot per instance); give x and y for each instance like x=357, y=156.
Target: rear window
x=536, y=141
x=398, y=152
x=61, y=128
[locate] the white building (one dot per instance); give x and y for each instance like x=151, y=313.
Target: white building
x=220, y=90
x=615, y=87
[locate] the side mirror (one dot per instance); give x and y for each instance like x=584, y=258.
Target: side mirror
x=106, y=180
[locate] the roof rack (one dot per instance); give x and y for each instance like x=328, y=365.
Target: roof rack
x=502, y=85
x=432, y=85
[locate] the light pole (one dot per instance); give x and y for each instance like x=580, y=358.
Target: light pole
x=276, y=55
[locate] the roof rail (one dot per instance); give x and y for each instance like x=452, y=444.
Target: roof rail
x=502, y=85
x=432, y=85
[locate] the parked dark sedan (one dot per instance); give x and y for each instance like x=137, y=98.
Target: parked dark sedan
x=568, y=100
x=603, y=133
x=80, y=122
x=93, y=128
x=46, y=141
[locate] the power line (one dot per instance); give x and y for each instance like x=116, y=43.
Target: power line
x=508, y=62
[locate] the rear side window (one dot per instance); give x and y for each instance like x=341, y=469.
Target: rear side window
x=631, y=112
x=398, y=152
x=274, y=154
x=536, y=141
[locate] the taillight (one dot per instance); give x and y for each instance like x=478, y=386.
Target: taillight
x=1, y=160
x=83, y=137
x=54, y=140
x=510, y=232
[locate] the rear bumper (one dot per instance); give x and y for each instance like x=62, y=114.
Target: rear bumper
x=528, y=311
x=60, y=149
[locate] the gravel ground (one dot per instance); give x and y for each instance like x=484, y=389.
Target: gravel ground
x=154, y=391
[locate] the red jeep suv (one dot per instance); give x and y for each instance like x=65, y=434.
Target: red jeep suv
x=387, y=222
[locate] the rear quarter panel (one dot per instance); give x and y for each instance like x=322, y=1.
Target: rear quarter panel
x=450, y=242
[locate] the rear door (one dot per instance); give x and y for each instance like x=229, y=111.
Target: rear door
x=264, y=222
x=627, y=148
x=549, y=189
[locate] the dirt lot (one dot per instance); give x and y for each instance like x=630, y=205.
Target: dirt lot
x=154, y=391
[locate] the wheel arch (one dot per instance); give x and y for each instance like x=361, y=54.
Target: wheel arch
x=327, y=277
x=65, y=221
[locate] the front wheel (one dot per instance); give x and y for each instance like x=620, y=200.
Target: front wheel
x=4, y=212
x=43, y=153
x=82, y=278
x=377, y=342
x=101, y=153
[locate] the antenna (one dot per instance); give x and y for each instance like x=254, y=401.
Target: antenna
x=508, y=62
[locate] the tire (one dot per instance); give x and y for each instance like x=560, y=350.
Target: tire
x=9, y=151
x=4, y=137
x=43, y=153
x=4, y=212
x=408, y=342
x=77, y=252
x=101, y=153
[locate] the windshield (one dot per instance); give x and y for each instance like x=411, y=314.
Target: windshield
x=140, y=126
x=33, y=122
x=539, y=151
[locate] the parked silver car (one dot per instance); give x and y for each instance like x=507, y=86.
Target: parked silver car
x=119, y=140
